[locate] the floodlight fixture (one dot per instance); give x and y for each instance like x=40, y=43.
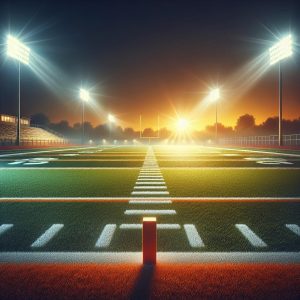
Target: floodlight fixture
x=17, y=50
x=84, y=95
x=281, y=50
x=111, y=118
x=214, y=94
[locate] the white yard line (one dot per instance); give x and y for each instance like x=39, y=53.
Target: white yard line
x=158, y=226
x=150, y=212
x=162, y=257
x=138, y=168
x=294, y=228
x=106, y=236
x=252, y=238
x=150, y=201
x=193, y=236
x=5, y=227
x=49, y=234
x=258, y=151
x=200, y=199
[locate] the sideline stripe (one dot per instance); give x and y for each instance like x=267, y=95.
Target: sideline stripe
x=106, y=236
x=150, y=202
x=159, y=226
x=150, y=212
x=5, y=227
x=162, y=257
x=175, y=199
x=253, y=239
x=47, y=236
x=193, y=236
x=294, y=228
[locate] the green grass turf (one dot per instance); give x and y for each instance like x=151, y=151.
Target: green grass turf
x=232, y=183
x=67, y=183
x=214, y=221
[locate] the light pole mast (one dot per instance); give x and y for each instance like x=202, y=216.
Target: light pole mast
x=21, y=53
x=85, y=97
x=278, y=52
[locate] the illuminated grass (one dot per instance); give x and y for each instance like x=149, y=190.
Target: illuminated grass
x=231, y=182
x=66, y=183
x=83, y=223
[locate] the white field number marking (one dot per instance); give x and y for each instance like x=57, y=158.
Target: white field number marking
x=269, y=160
x=33, y=161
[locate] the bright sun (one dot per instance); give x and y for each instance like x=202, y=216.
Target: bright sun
x=182, y=124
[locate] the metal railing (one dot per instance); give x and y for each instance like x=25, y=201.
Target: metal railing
x=33, y=142
x=267, y=140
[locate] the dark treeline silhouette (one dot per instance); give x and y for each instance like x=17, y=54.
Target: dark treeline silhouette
x=245, y=126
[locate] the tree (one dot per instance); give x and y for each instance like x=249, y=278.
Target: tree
x=245, y=124
x=148, y=132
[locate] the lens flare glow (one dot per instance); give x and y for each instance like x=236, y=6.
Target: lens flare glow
x=281, y=50
x=17, y=50
x=111, y=118
x=84, y=95
x=215, y=94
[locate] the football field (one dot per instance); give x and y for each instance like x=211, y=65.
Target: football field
x=213, y=204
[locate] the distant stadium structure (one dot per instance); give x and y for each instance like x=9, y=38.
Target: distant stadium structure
x=30, y=134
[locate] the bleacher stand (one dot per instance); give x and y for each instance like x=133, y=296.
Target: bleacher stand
x=30, y=135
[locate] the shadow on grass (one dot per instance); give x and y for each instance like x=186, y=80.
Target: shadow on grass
x=142, y=287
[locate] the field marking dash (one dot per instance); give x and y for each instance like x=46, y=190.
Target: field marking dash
x=150, y=193
x=5, y=227
x=149, y=182
x=253, y=239
x=158, y=226
x=161, y=187
x=106, y=236
x=150, y=212
x=150, y=201
x=193, y=236
x=50, y=233
x=294, y=228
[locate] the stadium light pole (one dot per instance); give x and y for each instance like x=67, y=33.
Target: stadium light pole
x=111, y=119
x=85, y=97
x=278, y=52
x=20, y=52
x=215, y=96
